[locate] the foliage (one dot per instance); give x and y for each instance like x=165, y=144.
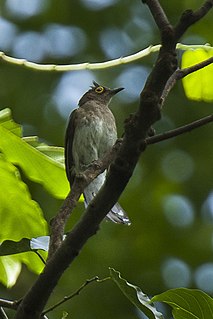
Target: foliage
x=40, y=163
x=186, y=303
x=197, y=85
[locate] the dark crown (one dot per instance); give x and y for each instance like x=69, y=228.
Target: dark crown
x=99, y=93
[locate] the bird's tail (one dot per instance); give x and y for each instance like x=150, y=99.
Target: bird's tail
x=116, y=214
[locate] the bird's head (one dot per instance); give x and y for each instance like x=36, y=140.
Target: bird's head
x=99, y=93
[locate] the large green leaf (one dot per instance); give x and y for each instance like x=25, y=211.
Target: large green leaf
x=136, y=296
x=198, y=85
x=20, y=217
x=41, y=164
x=187, y=303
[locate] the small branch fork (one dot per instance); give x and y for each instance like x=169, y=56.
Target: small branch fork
x=181, y=73
x=14, y=304
x=75, y=293
x=120, y=169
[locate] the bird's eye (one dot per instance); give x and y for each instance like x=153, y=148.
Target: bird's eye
x=99, y=89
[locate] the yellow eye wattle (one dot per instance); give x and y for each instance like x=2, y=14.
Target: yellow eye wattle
x=99, y=89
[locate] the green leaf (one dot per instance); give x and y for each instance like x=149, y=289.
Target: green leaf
x=10, y=269
x=36, y=165
x=135, y=295
x=198, y=85
x=20, y=216
x=187, y=303
x=54, y=152
x=7, y=122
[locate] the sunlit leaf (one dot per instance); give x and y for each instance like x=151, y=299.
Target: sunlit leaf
x=20, y=216
x=35, y=164
x=198, y=85
x=32, y=260
x=135, y=295
x=56, y=153
x=7, y=122
x=187, y=303
x=10, y=266
x=10, y=269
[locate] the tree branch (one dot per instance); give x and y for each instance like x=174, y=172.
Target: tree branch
x=189, y=17
x=181, y=73
x=158, y=14
x=180, y=130
x=75, y=293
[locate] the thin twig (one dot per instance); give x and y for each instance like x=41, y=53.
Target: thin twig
x=180, y=130
x=75, y=293
x=80, y=66
x=181, y=73
x=94, y=66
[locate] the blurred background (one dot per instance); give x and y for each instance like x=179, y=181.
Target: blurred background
x=170, y=196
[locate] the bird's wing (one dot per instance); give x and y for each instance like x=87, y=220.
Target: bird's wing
x=69, y=163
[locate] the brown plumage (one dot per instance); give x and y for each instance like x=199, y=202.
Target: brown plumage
x=92, y=132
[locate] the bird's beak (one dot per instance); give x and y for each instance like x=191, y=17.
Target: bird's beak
x=115, y=91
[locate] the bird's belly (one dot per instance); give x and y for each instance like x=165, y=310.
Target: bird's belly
x=92, y=140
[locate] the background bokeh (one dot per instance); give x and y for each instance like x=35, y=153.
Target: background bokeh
x=170, y=196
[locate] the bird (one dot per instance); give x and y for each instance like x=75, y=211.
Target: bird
x=91, y=132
